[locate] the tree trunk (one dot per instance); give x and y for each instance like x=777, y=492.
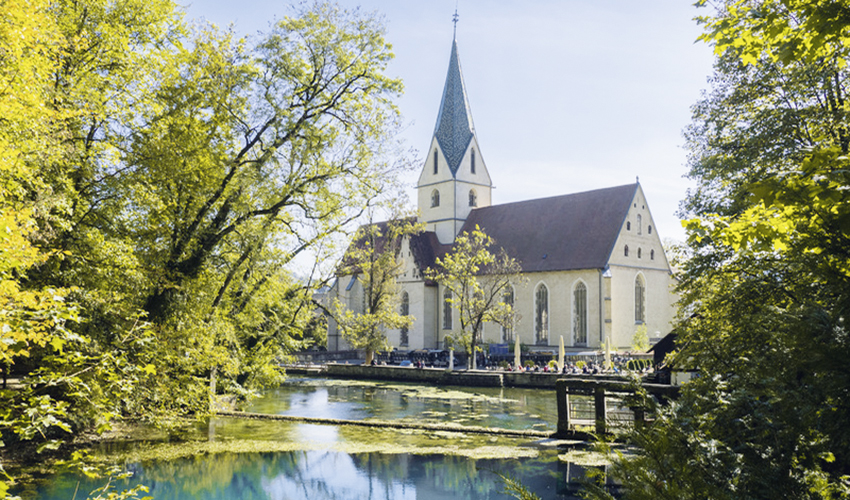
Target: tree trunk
x=213, y=375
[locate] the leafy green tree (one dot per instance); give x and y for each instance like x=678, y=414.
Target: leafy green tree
x=640, y=341
x=374, y=257
x=478, y=277
x=766, y=290
x=155, y=185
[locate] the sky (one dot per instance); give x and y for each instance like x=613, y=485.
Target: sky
x=566, y=95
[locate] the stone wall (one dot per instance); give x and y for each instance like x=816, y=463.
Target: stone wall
x=468, y=378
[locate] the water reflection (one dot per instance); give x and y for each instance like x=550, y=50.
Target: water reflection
x=344, y=462
x=489, y=407
x=315, y=475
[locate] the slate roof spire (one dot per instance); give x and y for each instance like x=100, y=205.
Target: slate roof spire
x=454, y=128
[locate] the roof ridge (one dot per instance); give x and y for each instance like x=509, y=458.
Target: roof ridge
x=591, y=191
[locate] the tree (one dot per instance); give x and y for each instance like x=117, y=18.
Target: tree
x=155, y=185
x=640, y=341
x=375, y=260
x=478, y=279
x=766, y=289
x=778, y=30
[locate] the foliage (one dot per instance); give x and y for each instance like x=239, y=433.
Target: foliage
x=516, y=489
x=156, y=183
x=374, y=257
x=640, y=341
x=478, y=279
x=82, y=464
x=765, y=293
x=779, y=30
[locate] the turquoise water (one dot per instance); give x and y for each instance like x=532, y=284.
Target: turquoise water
x=317, y=475
x=305, y=461
x=507, y=408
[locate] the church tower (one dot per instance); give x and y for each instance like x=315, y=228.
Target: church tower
x=454, y=179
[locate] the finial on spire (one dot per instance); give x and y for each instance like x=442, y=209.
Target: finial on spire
x=455, y=17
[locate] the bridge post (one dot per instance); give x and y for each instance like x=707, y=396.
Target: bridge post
x=601, y=410
x=640, y=417
x=562, y=394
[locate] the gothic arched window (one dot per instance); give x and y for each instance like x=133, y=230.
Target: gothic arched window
x=435, y=198
x=626, y=251
x=473, y=198
x=638, y=253
x=640, y=300
x=472, y=162
x=404, y=311
x=652, y=255
x=580, y=314
x=447, y=310
x=436, y=162
x=541, y=315
x=508, y=331
x=638, y=224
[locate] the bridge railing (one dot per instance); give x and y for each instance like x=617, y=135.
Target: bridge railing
x=601, y=392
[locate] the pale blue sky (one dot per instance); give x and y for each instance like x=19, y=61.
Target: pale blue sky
x=566, y=95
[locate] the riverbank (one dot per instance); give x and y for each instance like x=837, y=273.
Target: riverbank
x=440, y=376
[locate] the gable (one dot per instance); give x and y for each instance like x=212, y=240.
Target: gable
x=639, y=234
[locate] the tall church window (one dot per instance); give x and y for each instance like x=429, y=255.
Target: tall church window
x=436, y=162
x=638, y=253
x=640, y=300
x=405, y=311
x=628, y=226
x=580, y=314
x=472, y=163
x=447, y=310
x=652, y=255
x=649, y=229
x=507, y=330
x=435, y=198
x=626, y=251
x=473, y=198
x=541, y=315
x=639, y=224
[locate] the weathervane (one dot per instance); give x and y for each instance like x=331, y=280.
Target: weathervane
x=455, y=17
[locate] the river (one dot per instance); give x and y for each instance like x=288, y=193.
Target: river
x=230, y=458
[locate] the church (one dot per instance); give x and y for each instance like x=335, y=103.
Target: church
x=593, y=265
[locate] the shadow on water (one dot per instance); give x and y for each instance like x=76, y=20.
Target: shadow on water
x=254, y=459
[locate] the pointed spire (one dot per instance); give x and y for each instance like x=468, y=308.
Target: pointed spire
x=454, y=127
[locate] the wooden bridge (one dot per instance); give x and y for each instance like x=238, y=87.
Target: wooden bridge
x=599, y=390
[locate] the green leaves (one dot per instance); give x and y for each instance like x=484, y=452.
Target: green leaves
x=478, y=280
x=765, y=291
x=375, y=259
x=778, y=30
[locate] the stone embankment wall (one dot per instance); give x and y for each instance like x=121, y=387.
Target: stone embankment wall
x=437, y=376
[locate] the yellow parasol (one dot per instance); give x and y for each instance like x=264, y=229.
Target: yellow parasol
x=517, y=353
x=561, y=356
